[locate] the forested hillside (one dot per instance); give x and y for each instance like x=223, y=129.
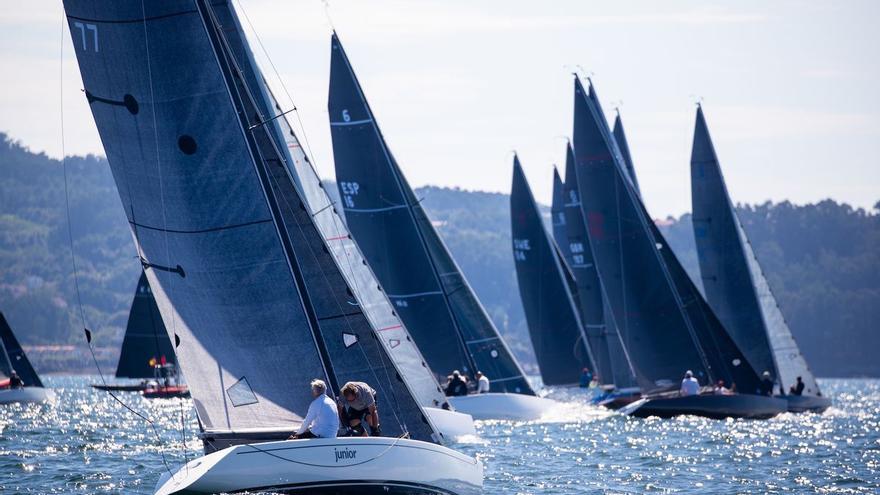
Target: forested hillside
x=822, y=260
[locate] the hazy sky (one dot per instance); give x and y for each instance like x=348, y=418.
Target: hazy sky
x=789, y=88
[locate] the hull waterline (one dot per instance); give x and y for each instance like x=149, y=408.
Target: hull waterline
x=26, y=395
x=807, y=403
x=710, y=406
x=332, y=465
x=516, y=407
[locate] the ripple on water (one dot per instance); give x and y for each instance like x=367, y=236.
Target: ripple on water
x=88, y=443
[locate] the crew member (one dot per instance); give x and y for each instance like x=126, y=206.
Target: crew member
x=720, y=389
x=689, y=385
x=482, y=383
x=322, y=420
x=15, y=381
x=358, y=404
x=766, y=384
x=586, y=378
x=797, y=388
x=456, y=386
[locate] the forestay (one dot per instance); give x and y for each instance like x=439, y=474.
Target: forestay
x=146, y=340
x=733, y=280
x=13, y=357
x=551, y=313
x=239, y=271
x=407, y=255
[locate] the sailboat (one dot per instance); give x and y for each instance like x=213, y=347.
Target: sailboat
x=735, y=284
x=14, y=359
x=146, y=351
x=411, y=262
x=666, y=326
x=613, y=362
x=243, y=278
x=545, y=289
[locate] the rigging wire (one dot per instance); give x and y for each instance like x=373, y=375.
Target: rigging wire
x=88, y=333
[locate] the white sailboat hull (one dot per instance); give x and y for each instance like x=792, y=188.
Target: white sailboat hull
x=516, y=407
x=451, y=424
x=26, y=395
x=330, y=465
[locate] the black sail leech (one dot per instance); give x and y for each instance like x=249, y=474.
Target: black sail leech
x=260, y=291
x=14, y=357
x=552, y=315
x=407, y=255
x=145, y=337
x=735, y=286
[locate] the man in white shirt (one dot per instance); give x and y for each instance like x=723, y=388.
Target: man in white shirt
x=482, y=383
x=690, y=385
x=322, y=420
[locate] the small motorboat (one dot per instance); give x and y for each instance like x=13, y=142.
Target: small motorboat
x=711, y=406
x=518, y=407
x=330, y=465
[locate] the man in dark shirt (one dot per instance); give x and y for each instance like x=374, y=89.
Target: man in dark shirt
x=15, y=381
x=766, y=384
x=797, y=388
x=456, y=386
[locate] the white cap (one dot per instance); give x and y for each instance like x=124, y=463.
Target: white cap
x=689, y=373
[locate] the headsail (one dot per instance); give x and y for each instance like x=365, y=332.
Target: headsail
x=407, y=255
x=145, y=340
x=734, y=282
x=557, y=215
x=13, y=357
x=239, y=271
x=645, y=305
x=590, y=298
x=552, y=315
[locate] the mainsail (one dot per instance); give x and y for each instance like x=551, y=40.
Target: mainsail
x=589, y=288
x=239, y=270
x=646, y=307
x=407, y=255
x=557, y=216
x=146, y=341
x=13, y=357
x=551, y=313
x=623, y=146
x=734, y=282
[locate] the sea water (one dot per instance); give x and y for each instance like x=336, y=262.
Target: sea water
x=88, y=443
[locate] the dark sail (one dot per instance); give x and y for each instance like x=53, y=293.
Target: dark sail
x=238, y=269
x=735, y=285
x=645, y=305
x=552, y=315
x=589, y=288
x=407, y=255
x=557, y=216
x=145, y=340
x=13, y=357
x=623, y=146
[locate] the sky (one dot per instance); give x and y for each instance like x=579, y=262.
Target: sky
x=788, y=87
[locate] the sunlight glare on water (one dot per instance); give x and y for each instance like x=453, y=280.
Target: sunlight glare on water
x=88, y=443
